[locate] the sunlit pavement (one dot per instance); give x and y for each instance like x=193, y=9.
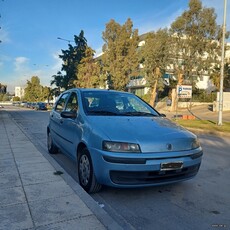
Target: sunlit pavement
x=34, y=195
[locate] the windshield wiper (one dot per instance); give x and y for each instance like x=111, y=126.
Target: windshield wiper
x=139, y=114
x=102, y=112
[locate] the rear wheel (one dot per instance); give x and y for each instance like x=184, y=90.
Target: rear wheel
x=52, y=148
x=86, y=175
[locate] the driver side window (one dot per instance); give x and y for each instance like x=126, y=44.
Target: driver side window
x=72, y=104
x=60, y=106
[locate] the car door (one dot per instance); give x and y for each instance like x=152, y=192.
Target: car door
x=71, y=130
x=56, y=121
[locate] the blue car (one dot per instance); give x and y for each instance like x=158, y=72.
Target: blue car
x=119, y=140
x=40, y=106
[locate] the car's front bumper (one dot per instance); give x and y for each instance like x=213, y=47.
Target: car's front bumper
x=143, y=169
x=153, y=177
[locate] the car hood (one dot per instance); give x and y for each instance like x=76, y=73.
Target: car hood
x=153, y=134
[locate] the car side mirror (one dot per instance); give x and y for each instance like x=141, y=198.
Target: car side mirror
x=69, y=114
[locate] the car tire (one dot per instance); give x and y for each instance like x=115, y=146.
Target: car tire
x=50, y=145
x=86, y=174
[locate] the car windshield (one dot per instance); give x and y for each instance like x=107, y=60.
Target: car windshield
x=108, y=103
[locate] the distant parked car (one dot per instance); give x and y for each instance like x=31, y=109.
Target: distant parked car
x=33, y=105
x=40, y=106
x=29, y=104
x=119, y=140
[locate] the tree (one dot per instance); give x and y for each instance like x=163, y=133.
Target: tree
x=88, y=71
x=215, y=76
x=34, y=91
x=71, y=59
x=120, y=60
x=16, y=98
x=60, y=81
x=45, y=93
x=3, y=89
x=4, y=97
x=196, y=40
x=227, y=76
x=155, y=57
x=196, y=36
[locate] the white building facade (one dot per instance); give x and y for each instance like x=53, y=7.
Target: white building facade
x=19, y=92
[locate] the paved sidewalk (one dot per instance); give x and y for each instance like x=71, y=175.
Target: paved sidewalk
x=32, y=196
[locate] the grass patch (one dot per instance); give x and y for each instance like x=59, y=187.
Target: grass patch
x=205, y=125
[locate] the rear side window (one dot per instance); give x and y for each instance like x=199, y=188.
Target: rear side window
x=60, y=105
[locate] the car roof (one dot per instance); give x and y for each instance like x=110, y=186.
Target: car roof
x=95, y=90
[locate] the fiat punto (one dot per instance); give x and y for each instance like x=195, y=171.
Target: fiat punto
x=119, y=140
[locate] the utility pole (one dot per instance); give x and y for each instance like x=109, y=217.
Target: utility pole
x=222, y=67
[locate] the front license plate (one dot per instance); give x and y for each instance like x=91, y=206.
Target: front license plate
x=171, y=166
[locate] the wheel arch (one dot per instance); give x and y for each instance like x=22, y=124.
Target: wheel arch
x=92, y=185
x=80, y=147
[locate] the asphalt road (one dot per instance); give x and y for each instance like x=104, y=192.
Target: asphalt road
x=200, y=203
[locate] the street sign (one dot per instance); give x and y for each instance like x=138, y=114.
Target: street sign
x=166, y=79
x=184, y=91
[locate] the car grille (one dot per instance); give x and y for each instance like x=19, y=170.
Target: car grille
x=122, y=160
x=152, y=177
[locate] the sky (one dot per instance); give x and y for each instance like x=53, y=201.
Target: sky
x=30, y=30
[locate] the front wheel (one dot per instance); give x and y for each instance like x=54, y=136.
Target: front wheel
x=86, y=175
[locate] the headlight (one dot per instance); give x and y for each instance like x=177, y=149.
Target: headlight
x=112, y=146
x=195, y=144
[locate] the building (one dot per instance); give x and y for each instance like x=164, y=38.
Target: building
x=137, y=85
x=19, y=92
x=204, y=82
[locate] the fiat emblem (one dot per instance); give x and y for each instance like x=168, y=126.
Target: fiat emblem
x=169, y=146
